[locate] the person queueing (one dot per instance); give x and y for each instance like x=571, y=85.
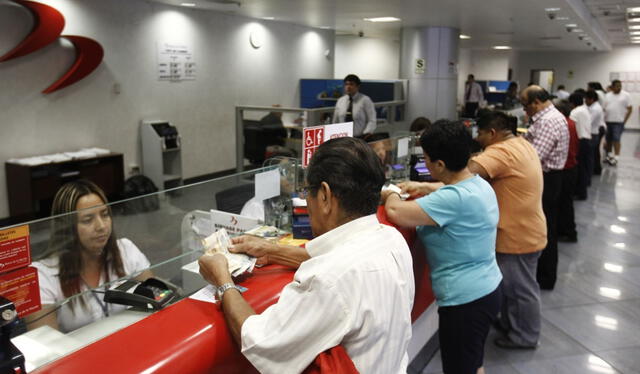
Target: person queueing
x=354, y=282
x=549, y=135
x=566, y=214
x=457, y=225
x=598, y=127
x=84, y=253
x=512, y=167
x=582, y=118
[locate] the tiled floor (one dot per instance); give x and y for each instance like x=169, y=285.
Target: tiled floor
x=591, y=321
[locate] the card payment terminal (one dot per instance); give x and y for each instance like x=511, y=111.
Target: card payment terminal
x=151, y=294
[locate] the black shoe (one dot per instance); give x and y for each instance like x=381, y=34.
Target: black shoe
x=499, y=328
x=568, y=238
x=506, y=343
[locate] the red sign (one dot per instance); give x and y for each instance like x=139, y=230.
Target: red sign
x=15, y=251
x=313, y=137
x=21, y=287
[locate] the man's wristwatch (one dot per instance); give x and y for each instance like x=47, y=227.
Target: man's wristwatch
x=224, y=288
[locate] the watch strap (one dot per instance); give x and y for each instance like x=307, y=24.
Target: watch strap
x=224, y=288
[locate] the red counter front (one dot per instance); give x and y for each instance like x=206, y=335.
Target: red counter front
x=191, y=336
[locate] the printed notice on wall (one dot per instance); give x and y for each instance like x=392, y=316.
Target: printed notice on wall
x=15, y=251
x=175, y=62
x=21, y=288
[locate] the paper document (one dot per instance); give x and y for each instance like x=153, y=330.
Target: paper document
x=206, y=294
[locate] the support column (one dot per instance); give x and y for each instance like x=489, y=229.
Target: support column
x=432, y=90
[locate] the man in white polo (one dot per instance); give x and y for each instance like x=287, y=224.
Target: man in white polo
x=617, y=112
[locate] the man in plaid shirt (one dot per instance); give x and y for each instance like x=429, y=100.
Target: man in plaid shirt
x=549, y=135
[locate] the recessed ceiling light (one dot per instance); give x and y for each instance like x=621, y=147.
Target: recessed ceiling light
x=634, y=33
x=188, y=4
x=382, y=19
x=635, y=41
x=325, y=27
x=633, y=10
x=633, y=20
x=501, y=47
x=463, y=36
x=552, y=9
x=562, y=18
x=571, y=25
x=634, y=27
x=269, y=18
x=577, y=30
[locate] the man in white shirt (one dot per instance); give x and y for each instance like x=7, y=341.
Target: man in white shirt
x=591, y=99
x=473, y=96
x=580, y=115
x=354, y=285
x=561, y=93
x=355, y=106
x=617, y=112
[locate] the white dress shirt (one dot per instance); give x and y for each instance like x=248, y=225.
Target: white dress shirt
x=473, y=93
x=363, y=112
x=357, y=290
x=597, y=117
x=580, y=115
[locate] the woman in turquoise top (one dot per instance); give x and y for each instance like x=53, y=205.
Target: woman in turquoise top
x=457, y=224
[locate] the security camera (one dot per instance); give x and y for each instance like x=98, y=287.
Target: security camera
x=551, y=16
x=580, y=37
x=361, y=33
x=570, y=29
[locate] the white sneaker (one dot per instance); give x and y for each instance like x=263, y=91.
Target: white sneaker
x=613, y=162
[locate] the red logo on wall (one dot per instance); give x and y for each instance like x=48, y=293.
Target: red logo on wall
x=48, y=25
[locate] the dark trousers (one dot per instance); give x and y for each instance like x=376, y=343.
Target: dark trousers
x=470, y=110
x=463, y=330
x=566, y=217
x=585, y=168
x=596, y=140
x=548, y=261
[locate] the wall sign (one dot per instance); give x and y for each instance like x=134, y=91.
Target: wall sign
x=314, y=136
x=15, y=251
x=175, y=62
x=421, y=65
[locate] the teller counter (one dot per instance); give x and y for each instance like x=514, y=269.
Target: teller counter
x=189, y=335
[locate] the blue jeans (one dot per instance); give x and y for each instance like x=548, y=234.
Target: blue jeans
x=614, y=131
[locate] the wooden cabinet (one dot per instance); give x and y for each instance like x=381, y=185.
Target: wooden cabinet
x=31, y=188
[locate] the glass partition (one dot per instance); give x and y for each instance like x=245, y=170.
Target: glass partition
x=155, y=235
